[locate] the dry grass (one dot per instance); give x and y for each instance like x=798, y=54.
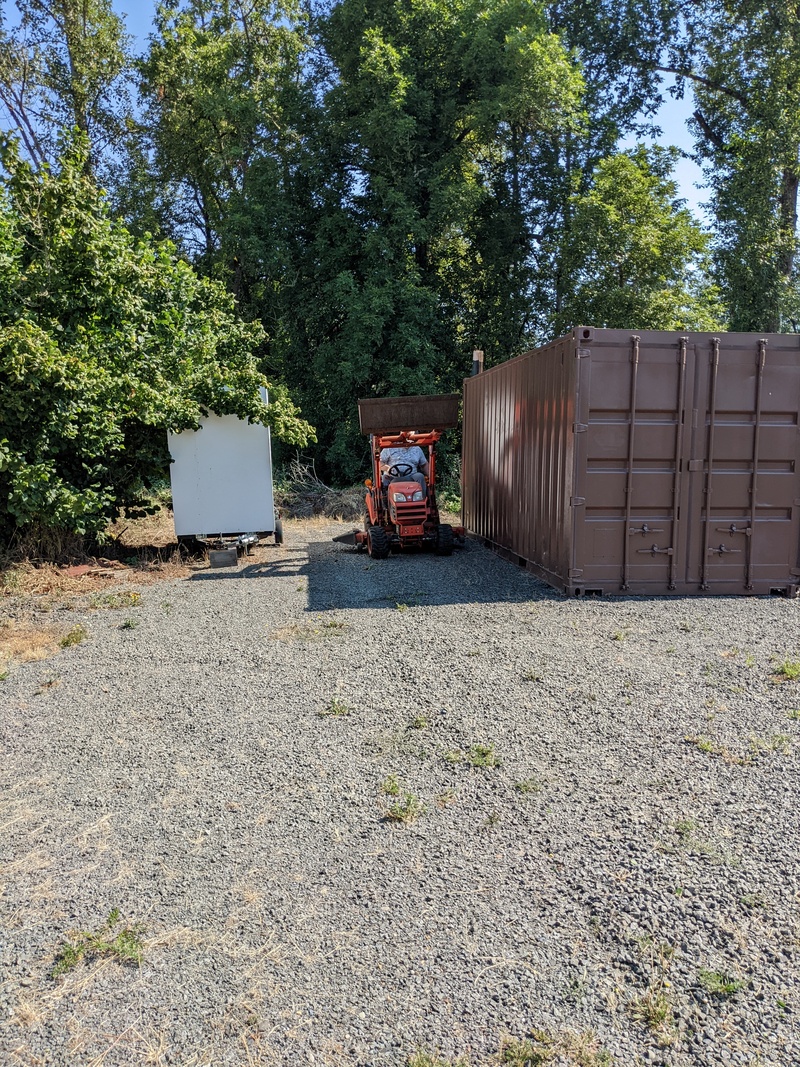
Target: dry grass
x=157, y=530
x=25, y=642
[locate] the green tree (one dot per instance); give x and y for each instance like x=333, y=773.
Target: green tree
x=743, y=63
x=106, y=342
x=220, y=83
x=430, y=109
x=62, y=67
x=634, y=257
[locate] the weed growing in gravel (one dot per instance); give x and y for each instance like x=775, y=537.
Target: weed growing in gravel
x=129, y=624
x=406, y=810
x=752, y=900
x=126, y=946
x=619, y=635
x=541, y=1048
x=528, y=786
x=123, y=599
x=654, y=1010
x=476, y=756
x=491, y=820
x=419, y=722
x=447, y=796
x=718, y=984
x=482, y=756
x=73, y=637
x=3, y=675
x=759, y=746
x=401, y=607
x=788, y=670
x=431, y=1059
x=295, y=632
x=391, y=786
x=531, y=676
x=684, y=828
x=335, y=707
x=795, y=714
x=685, y=627
x=518, y=1052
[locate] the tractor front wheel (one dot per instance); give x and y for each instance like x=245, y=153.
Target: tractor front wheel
x=377, y=542
x=444, y=540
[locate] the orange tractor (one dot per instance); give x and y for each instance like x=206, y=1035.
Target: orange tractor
x=400, y=513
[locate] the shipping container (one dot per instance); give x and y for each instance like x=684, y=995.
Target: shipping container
x=641, y=463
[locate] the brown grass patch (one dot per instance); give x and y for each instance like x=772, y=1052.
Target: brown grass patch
x=22, y=642
x=156, y=531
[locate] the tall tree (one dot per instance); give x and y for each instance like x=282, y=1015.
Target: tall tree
x=743, y=62
x=219, y=85
x=634, y=257
x=429, y=101
x=618, y=44
x=62, y=67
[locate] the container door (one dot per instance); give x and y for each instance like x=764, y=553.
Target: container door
x=630, y=445
x=744, y=514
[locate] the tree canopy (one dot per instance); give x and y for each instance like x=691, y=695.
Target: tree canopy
x=358, y=193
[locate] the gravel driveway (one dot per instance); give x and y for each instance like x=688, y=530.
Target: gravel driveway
x=350, y=813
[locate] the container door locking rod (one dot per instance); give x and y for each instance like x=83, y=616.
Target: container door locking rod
x=762, y=360
x=676, y=480
x=712, y=423
x=629, y=482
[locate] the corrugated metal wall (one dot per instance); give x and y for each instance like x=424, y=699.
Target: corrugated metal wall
x=655, y=463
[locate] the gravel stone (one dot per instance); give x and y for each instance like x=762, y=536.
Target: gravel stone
x=642, y=825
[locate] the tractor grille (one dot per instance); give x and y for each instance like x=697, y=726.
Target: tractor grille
x=412, y=514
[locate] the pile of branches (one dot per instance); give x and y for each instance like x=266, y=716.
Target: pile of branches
x=302, y=495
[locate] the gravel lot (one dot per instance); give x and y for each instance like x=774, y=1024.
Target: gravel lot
x=625, y=884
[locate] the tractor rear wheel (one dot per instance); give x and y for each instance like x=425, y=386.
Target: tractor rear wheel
x=444, y=540
x=377, y=542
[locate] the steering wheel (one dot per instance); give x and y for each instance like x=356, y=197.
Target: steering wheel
x=400, y=470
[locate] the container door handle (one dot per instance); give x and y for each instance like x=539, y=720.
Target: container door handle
x=654, y=550
x=644, y=530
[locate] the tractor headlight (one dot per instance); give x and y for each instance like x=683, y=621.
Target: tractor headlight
x=401, y=497
x=419, y=495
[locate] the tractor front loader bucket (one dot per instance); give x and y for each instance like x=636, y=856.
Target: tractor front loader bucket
x=393, y=414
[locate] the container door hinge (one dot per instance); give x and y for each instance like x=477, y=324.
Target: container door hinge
x=794, y=571
x=580, y=427
x=695, y=464
x=582, y=353
x=574, y=572
x=576, y=501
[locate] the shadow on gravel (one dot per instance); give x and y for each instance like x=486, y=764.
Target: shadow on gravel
x=278, y=568
x=341, y=577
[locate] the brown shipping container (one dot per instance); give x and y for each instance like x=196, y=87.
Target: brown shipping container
x=655, y=463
